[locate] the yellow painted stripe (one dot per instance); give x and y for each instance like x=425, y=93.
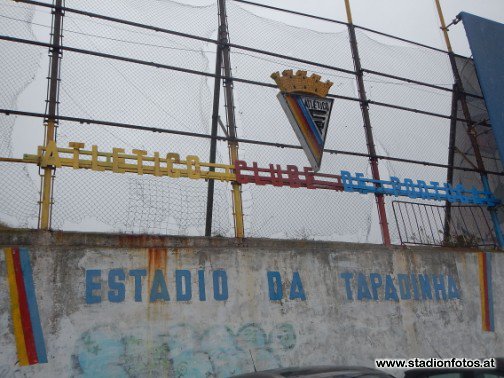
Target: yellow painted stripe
x=481, y=270
x=15, y=312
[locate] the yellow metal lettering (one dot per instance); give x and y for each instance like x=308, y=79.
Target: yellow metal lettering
x=140, y=154
x=193, y=161
x=95, y=166
x=76, y=147
x=172, y=158
x=51, y=156
x=120, y=162
x=157, y=165
x=117, y=160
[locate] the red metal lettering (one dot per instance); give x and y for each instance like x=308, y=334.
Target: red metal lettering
x=293, y=173
x=276, y=175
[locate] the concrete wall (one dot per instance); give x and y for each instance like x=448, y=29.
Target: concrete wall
x=105, y=310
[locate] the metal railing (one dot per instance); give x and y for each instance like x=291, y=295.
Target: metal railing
x=426, y=224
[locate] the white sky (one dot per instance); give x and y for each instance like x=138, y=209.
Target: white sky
x=411, y=19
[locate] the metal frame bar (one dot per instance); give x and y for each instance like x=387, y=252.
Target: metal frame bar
x=240, y=140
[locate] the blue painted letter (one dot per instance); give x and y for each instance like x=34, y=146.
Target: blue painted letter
x=453, y=292
x=376, y=282
x=201, y=285
x=91, y=285
x=138, y=274
x=425, y=286
x=186, y=294
x=296, y=289
x=116, y=289
x=275, y=286
x=362, y=288
x=404, y=286
x=390, y=289
x=159, y=291
x=347, y=277
x=220, y=285
x=439, y=286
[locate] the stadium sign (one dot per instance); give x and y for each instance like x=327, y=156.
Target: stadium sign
x=172, y=165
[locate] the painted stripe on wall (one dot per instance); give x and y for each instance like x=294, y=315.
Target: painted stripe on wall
x=490, y=311
x=32, y=306
x=15, y=311
x=24, y=309
x=486, y=293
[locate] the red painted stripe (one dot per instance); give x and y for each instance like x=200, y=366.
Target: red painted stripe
x=485, y=286
x=31, y=350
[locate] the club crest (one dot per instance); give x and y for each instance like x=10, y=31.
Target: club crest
x=304, y=101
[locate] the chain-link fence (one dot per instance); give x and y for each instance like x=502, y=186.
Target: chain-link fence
x=153, y=65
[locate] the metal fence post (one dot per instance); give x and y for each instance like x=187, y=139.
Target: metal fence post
x=451, y=157
x=46, y=195
x=231, y=121
x=215, y=121
x=373, y=160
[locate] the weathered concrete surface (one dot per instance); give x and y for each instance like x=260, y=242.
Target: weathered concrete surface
x=91, y=330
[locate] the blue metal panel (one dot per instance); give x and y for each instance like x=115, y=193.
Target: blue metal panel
x=486, y=39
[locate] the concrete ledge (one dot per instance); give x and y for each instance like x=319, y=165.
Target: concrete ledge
x=81, y=239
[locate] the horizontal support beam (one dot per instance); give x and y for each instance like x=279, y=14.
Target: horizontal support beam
x=240, y=140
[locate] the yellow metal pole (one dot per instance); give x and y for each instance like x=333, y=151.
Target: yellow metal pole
x=348, y=11
x=443, y=26
x=47, y=181
x=237, y=195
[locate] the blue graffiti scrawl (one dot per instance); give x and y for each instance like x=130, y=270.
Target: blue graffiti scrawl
x=181, y=351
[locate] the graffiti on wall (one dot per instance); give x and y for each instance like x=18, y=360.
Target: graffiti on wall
x=182, y=350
